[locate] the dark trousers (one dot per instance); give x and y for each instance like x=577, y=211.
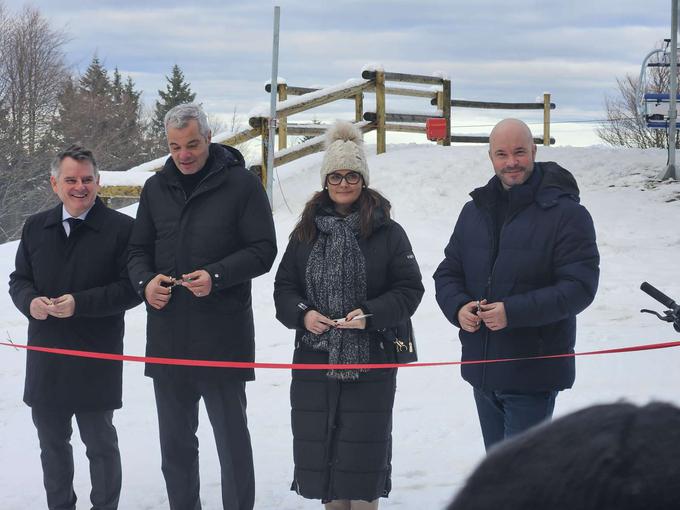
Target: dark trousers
x=503, y=414
x=225, y=401
x=101, y=442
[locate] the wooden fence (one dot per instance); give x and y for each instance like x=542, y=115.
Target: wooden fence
x=373, y=81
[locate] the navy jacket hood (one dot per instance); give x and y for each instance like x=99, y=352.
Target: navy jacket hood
x=548, y=182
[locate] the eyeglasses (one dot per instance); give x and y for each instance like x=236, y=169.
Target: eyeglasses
x=352, y=178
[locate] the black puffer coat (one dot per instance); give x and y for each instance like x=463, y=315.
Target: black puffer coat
x=342, y=429
x=544, y=268
x=90, y=265
x=226, y=228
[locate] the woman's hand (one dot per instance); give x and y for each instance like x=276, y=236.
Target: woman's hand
x=350, y=322
x=317, y=323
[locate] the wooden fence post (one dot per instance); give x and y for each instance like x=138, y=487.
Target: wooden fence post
x=359, y=107
x=439, y=98
x=265, y=150
x=381, y=145
x=546, y=119
x=446, y=109
x=282, y=89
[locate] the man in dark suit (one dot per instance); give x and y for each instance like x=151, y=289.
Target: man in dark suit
x=71, y=283
x=204, y=230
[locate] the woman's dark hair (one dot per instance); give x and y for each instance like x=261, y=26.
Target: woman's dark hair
x=367, y=204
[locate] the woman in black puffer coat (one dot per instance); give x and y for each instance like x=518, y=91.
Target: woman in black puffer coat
x=346, y=260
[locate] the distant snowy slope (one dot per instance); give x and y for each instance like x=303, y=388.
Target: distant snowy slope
x=436, y=437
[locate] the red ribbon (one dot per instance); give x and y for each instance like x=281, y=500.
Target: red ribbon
x=317, y=366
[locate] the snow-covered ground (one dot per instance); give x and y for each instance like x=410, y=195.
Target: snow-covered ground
x=436, y=436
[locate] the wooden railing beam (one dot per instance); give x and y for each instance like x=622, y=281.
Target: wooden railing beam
x=404, y=128
x=403, y=77
x=241, y=136
x=463, y=103
x=287, y=111
x=395, y=91
x=401, y=117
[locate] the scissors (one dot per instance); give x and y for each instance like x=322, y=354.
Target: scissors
x=354, y=318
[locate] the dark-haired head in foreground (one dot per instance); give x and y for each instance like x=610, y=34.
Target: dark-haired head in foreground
x=606, y=457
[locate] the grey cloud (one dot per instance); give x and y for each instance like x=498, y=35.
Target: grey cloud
x=491, y=49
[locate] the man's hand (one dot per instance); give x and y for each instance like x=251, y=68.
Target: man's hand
x=63, y=306
x=317, y=323
x=352, y=323
x=467, y=316
x=493, y=315
x=198, y=283
x=40, y=308
x=156, y=294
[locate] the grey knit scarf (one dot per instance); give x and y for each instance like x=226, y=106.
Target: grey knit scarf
x=335, y=281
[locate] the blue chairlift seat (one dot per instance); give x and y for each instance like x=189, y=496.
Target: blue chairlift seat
x=656, y=107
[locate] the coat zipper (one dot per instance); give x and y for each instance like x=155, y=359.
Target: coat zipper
x=495, y=250
x=187, y=199
x=489, y=281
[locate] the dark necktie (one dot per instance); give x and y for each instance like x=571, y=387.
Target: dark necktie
x=73, y=223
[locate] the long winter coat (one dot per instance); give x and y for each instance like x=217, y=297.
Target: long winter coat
x=90, y=265
x=342, y=429
x=226, y=228
x=545, y=270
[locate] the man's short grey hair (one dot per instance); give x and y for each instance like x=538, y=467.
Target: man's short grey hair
x=179, y=116
x=76, y=152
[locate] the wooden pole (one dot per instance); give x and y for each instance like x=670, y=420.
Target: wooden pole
x=440, y=106
x=381, y=143
x=359, y=107
x=546, y=119
x=283, y=120
x=446, y=110
x=265, y=150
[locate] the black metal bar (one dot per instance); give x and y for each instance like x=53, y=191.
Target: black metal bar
x=485, y=139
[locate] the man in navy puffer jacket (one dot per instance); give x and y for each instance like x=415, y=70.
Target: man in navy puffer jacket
x=521, y=263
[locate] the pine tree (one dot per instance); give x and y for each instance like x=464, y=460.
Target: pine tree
x=177, y=91
x=103, y=115
x=95, y=96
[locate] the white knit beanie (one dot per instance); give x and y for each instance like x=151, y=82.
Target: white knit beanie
x=344, y=151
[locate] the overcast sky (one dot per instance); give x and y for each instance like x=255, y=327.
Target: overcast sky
x=493, y=50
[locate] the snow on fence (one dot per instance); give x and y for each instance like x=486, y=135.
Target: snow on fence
x=128, y=184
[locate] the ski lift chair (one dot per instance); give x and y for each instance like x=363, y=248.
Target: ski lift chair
x=655, y=110
x=653, y=107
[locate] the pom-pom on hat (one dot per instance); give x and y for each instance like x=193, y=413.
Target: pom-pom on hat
x=344, y=151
